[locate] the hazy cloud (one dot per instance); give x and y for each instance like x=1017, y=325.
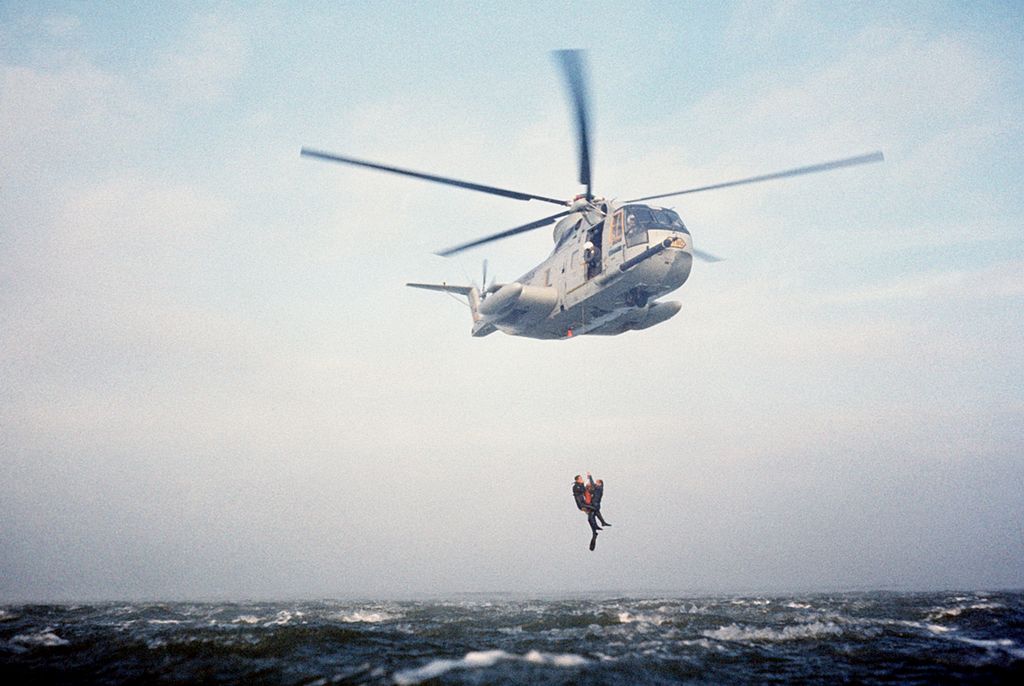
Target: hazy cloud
x=206, y=60
x=216, y=383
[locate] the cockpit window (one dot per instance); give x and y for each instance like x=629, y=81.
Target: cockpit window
x=636, y=233
x=643, y=215
x=639, y=218
x=669, y=219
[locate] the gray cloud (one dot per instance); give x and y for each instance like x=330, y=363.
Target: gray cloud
x=215, y=384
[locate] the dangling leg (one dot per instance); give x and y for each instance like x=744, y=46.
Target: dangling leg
x=591, y=515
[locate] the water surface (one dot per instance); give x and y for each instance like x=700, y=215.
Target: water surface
x=975, y=637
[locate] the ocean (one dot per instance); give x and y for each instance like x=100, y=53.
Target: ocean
x=864, y=638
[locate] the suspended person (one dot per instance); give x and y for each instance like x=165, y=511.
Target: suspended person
x=597, y=492
x=579, y=494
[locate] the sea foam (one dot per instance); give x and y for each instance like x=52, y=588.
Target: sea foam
x=795, y=632
x=482, y=659
x=367, y=617
x=640, y=618
x=45, y=638
x=1004, y=645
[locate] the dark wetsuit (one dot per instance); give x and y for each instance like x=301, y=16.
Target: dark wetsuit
x=597, y=492
x=581, y=503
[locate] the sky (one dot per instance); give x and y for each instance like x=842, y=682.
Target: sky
x=215, y=385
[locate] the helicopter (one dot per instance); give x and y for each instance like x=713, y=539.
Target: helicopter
x=611, y=261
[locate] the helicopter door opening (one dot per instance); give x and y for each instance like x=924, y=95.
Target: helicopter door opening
x=593, y=255
x=615, y=229
x=617, y=222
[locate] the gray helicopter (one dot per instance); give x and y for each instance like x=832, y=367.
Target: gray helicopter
x=611, y=261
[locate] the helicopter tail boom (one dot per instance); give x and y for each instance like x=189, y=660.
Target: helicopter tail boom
x=471, y=293
x=443, y=287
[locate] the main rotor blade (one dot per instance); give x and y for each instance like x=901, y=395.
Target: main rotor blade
x=706, y=256
x=572, y=67
x=431, y=177
x=814, y=168
x=504, y=234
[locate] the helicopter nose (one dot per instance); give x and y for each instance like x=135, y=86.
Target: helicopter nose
x=676, y=241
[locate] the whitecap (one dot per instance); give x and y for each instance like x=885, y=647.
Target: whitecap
x=986, y=606
x=937, y=629
x=164, y=621
x=1001, y=643
x=795, y=632
x=482, y=659
x=245, y=619
x=943, y=613
x=1004, y=645
x=555, y=659
x=703, y=643
x=436, y=668
x=757, y=602
x=629, y=618
x=282, y=618
x=957, y=610
x=367, y=617
x=45, y=638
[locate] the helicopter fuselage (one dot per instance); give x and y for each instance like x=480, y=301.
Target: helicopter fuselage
x=611, y=261
x=609, y=266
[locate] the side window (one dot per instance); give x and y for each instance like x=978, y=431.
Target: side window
x=617, y=227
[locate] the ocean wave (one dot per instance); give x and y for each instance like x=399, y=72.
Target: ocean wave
x=245, y=619
x=854, y=638
x=481, y=659
x=941, y=613
x=555, y=659
x=756, y=602
x=282, y=618
x=45, y=638
x=874, y=625
x=629, y=618
x=1000, y=645
x=795, y=632
x=367, y=617
x=577, y=620
x=703, y=643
